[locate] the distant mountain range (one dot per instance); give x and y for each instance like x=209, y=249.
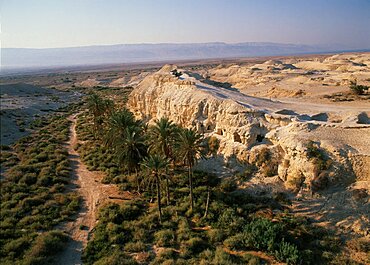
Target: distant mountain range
x=16, y=58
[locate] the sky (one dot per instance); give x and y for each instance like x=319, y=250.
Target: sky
x=68, y=23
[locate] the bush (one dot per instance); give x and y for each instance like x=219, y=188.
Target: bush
x=17, y=247
x=235, y=242
x=262, y=234
x=252, y=260
x=223, y=258
x=358, y=89
x=165, y=238
x=46, y=245
x=117, y=258
x=166, y=256
x=230, y=222
x=216, y=235
x=135, y=246
x=194, y=246
x=228, y=185
x=28, y=179
x=287, y=252
x=317, y=156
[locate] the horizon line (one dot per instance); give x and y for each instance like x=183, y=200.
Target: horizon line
x=175, y=43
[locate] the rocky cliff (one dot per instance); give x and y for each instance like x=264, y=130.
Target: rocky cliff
x=306, y=151
x=246, y=125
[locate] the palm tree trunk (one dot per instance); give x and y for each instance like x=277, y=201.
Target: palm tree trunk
x=137, y=180
x=159, y=198
x=151, y=192
x=191, y=188
x=168, y=191
x=207, y=203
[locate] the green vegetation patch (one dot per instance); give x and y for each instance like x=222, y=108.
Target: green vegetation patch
x=179, y=215
x=33, y=195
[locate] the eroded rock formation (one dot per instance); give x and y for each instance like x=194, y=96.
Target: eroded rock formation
x=244, y=125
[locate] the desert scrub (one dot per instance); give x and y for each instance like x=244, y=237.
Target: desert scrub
x=33, y=197
x=358, y=89
x=7, y=157
x=114, y=232
x=266, y=163
x=93, y=151
x=223, y=223
x=165, y=238
x=317, y=156
x=133, y=229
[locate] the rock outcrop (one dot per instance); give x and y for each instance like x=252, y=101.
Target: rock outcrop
x=309, y=151
x=242, y=128
x=162, y=95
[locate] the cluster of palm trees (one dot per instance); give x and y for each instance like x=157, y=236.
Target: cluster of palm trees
x=155, y=149
x=100, y=108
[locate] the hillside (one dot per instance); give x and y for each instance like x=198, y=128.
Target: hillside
x=13, y=58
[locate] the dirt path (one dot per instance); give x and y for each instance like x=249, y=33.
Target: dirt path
x=93, y=193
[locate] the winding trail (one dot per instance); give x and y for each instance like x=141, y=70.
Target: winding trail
x=94, y=194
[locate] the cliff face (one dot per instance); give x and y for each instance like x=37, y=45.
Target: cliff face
x=162, y=95
x=294, y=147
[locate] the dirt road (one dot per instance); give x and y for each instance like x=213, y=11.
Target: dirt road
x=94, y=194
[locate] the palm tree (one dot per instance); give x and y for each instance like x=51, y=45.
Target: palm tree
x=157, y=165
x=211, y=181
x=190, y=148
x=99, y=107
x=125, y=136
x=132, y=150
x=162, y=137
x=117, y=124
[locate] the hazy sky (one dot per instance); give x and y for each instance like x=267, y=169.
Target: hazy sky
x=64, y=23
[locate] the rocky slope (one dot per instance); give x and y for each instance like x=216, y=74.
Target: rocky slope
x=306, y=150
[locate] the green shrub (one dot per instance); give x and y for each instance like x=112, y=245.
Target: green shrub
x=194, y=246
x=358, y=89
x=262, y=234
x=30, y=189
x=230, y=222
x=166, y=256
x=235, y=242
x=287, y=252
x=216, y=235
x=252, y=260
x=116, y=258
x=135, y=246
x=47, y=244
x=314, y=152
x=165, y=238
x=184, y=231
x=223, y=258
x=28, y=179
x=228, y=185
x=16, y=248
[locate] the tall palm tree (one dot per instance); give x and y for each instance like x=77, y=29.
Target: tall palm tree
x=162, y=137
x=211, y=181
x=189, y=148
x=125, y=136
x=99, y=107
x=157, y=165
x=132, y=150
x=116, y=126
